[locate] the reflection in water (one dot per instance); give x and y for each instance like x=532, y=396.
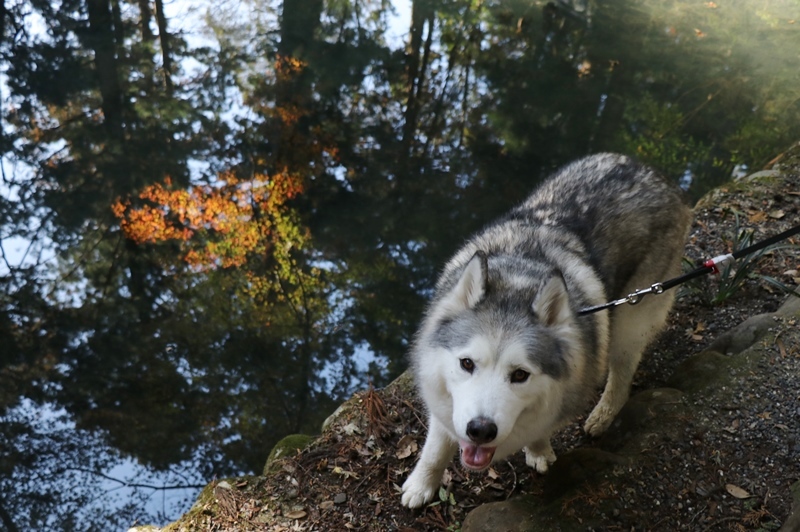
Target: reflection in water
x=198, y=312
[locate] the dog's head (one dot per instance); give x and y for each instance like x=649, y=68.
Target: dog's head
x=504, y=340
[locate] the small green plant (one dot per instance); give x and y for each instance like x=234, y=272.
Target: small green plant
x=445, y=497
x=781, y=286
x=733, y=275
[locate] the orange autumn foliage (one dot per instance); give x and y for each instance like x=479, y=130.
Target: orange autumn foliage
x=234, y=220
x=288, y=67
x=219, y=225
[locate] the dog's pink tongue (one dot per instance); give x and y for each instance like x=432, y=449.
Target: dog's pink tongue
x=475, y=457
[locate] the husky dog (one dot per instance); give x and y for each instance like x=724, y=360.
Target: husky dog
x=502, y=358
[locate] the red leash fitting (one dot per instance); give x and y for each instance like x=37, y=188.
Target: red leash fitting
x=718, y=261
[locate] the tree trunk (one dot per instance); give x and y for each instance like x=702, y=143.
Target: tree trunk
x=144, y=17
x=101, y=38
x=421, y=13
x=300, y=20
x=3, y=15
x=148, y=40
x=5, y=518
x=163, y=37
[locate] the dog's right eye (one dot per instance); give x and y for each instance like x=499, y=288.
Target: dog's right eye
x=519, y=375
x=467, y=365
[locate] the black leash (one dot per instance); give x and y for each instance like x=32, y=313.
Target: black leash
x=709, y=266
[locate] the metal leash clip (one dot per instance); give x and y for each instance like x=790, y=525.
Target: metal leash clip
x=635, y=297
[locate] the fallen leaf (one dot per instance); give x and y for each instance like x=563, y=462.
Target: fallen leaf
x=757, y=217
x=733, y=427
x=692, y=336
x=699, y=33
x=326, y=505
x=297, y=514
x=351, y=428
x=777, y=214
x=346, y=474
x=737, y=492
x=447, y=477
x=781, y=347
x=364, y=451
x=406, y=446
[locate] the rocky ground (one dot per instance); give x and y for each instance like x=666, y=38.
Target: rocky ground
x=710, y=440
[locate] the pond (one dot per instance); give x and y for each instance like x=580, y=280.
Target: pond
x=215, y=232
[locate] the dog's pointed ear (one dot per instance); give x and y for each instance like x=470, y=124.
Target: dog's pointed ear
x=551, y=304
x=474, y=282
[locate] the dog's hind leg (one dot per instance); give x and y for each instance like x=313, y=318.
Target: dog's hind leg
x=423, y=483
x=539, y=455
x=632, y=329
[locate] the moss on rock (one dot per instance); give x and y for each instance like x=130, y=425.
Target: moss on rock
x=286, y=447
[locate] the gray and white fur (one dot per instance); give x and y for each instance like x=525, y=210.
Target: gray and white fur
x=502, y=359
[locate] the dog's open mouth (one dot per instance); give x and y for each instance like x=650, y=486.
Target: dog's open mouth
x=475, y=457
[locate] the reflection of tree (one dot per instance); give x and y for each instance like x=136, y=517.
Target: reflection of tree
x=42, y=469
x=199, y=319
x=87, y=122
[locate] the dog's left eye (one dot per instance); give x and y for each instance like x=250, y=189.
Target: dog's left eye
x=519, y=375
x=467, y=365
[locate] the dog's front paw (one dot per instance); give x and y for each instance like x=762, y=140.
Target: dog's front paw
x=599, y=420
x=418, y=490
x=540, y=458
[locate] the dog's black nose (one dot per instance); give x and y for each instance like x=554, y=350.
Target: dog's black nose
x=481, y=430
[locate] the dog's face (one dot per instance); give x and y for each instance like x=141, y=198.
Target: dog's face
x=501, y=356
